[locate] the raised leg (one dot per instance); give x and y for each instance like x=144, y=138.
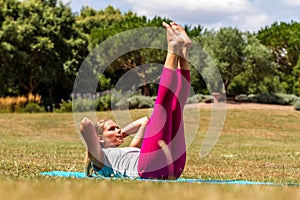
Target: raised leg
x=178, y=148
x=163, y=149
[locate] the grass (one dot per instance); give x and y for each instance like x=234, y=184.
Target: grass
x=255, y=145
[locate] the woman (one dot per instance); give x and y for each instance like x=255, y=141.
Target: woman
x=158, y=149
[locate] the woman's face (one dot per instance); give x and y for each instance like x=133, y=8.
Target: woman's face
x=112, y=135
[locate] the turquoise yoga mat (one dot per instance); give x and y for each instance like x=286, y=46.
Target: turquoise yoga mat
x=183, y=180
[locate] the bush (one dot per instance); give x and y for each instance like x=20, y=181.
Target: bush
x=122, y=104
x=297, y=105
x=18, y=103
x=33, y=108
x=104, y=103
x=242, y=98
x=140, y=101
x=82, y=104
x=137, y=101
x=269, y=98
x=288, y=99
x=65, y=106
x=198, y=98
x=146, y=102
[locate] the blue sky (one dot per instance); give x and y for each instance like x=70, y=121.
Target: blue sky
x=212, y=14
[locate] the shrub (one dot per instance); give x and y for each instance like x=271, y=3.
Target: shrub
x=122, y=104
x=82, y=104
x=242, y=98
x=140, y=101
x=16, y=104
x=288, y=99
x=146, y=102
x=197, y=98
x=269, y=98
x=104, y=103
x=33, y=108
x=136, y=101
x=65, y=106
x=297, y=105
x=252, y=98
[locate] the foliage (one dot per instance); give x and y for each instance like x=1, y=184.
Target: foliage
x=269, y=98
x=296, y=78
x=130, y=60
x=198, y=98
x=82, y=104
x=140, y=101
x=65, y=106
x=43, y=44
x=283, y=39
x=258, y=65
x=244, y=63
x=105, y=102
x=137, y=57
x=100, y=102
x=297, y=105
x=33, y=108
x=226, y=47
x=41, y=50
x=15, y=104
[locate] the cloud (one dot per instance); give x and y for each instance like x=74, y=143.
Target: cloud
x=211, y=14
x=291, y=2
x=188, y=7
x=243, y=14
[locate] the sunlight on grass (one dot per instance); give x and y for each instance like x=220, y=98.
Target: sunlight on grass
x=256, y=145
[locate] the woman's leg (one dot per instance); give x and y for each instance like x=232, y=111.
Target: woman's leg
x=153, y=163
x=178, y=147
x=182, y=92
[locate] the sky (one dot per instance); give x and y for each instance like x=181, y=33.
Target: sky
x=247, y=15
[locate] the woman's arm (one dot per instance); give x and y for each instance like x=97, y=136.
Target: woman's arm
x=138, y=128
x=88, y=132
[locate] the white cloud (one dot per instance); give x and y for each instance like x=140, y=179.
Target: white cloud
x=291, y=2
x=244, y=14
x=212, y=13
x=151, y=7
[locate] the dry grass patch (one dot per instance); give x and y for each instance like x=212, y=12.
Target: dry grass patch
x=256, y=145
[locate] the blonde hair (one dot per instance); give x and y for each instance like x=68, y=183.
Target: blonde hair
x=100, y=126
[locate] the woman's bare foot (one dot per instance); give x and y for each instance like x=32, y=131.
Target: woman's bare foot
x=183, y=53
x=175, y=42
x=180, y=32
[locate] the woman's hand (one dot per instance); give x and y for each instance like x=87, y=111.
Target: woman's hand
x=138, y=128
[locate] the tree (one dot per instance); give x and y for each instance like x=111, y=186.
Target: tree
x=296, y=73
x=90, y=19
x=283, y=39
x=43, y=48
x=130, y=60
x=258, y=67
x=226, y=47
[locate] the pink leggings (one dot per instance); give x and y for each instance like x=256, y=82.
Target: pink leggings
x=166, y=124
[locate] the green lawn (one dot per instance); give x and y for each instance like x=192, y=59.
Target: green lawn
x=255, y=145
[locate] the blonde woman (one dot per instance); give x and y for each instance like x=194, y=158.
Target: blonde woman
x=158, y=149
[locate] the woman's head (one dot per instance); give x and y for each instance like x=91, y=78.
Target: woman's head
x=109, y=133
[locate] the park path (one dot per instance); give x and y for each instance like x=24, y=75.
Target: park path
x=236, y=105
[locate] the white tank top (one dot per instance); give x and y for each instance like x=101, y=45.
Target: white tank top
x=120, y=162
